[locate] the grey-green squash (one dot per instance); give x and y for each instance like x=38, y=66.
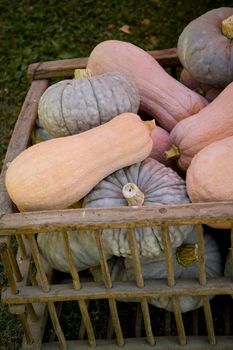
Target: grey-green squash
x=185, y=260
x=72, y=106
x=144, y=183
x=83, y=247
x=205, y=47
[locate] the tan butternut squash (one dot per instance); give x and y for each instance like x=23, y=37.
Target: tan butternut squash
x=212, y=123
x=55, y=174
x=161, y=96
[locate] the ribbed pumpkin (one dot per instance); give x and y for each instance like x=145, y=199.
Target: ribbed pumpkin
x=75, y=105
x=205, y=47
x=185, y=260
x=39, y=134
x=146, y=183
x=83, y=248
x=161, y=96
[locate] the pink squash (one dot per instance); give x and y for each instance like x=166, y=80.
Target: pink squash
x=161, y=96
x=212, y=123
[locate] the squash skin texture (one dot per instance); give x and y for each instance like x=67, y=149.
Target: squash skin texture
x=204, y=51
x=84, y=250
x=212, y=123
x=155, y=268
x=57, y=173
x=161, y=96
x=210, y=174
x=75, y=105
x=160, y=185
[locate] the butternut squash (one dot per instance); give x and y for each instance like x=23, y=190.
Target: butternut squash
x=212, y=123
x=210, y=175
x=161, y=96
x=57, y=173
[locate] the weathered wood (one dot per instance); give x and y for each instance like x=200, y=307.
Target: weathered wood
x=209, y=320
x=89, y=218
x=26, y=329
x=135, y=257
x=21, y=136
x=38, y=262
x=162, y=343
x=56, y=325
x=168, y=254
x=179, y=321
x=121, y=290
x=116, y=322
x=87, y=322
x=37, y=328
x=103, y=261
x=65, y=68
x=201, y=254
x=70, y=259
x=147, y=321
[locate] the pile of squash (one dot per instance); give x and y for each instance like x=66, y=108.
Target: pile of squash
x=93, y=145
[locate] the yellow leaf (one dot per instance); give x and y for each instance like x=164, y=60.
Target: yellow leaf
x=146, y=21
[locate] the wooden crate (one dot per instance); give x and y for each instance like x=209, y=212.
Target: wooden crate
x=33, y=301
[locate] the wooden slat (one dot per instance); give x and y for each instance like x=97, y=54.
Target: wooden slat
x=116, y=322
x=209, y=320
x=162, y=343
x=103, y=260
x=26, y=329
x=121, y=290
x=135, y=257
x=87, y=322
x=56, y=325
x=66, y=67
x=147, y=321
x=20, y=136
x=201, y=255
x=14, y=264
x=168, y=254
x=4, y=254
x=179, y=321
x=38, y=262
x=70, y=259
x=70, y=219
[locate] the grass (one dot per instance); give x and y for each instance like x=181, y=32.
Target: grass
x=36, y=30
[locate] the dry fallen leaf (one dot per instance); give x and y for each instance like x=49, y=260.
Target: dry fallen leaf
x=145, y=21
x=153, y=39
x=125, y=29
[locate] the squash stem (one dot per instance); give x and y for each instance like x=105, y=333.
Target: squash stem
x=133, y=195
x=187, y=254
x=172, y=153
x=82, y=73
x=227, y=27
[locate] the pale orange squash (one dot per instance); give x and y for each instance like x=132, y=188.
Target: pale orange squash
x=161, y=96
x=212, y=123
x=57, y=173
x=210, y=175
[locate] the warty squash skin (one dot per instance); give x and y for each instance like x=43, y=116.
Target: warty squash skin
x=161, y=96
x=55, y=174
x=205, y=51
x=75, y=105
x=212, y=123
x=158, y=185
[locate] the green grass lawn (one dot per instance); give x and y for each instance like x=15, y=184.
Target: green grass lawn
x=36, y=30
